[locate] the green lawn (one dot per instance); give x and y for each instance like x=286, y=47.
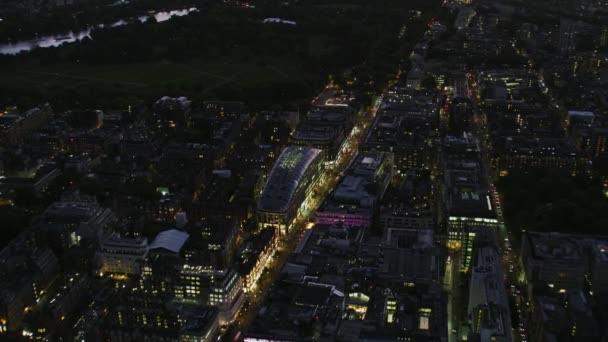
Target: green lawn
x=148, y=75
x=146, y=79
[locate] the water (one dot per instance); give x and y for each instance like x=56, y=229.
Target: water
x=58, y=39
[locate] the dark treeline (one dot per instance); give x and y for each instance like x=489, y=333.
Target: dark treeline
x=553, y=201
x=329, y=38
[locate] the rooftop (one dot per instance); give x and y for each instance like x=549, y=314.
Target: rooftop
x=554, y=246
x=285, y=176
x=172, y=240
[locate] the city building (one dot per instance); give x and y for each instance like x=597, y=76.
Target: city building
x=233, y=110
x=26, y=273
x=568, y=36
x=400, y=313
x=598, y=267
x=553, y=259
x=325, y=129
x=255, y=256
x=212, y=242
x=404, y=126
x=172, y=111
x=16, y=128
x=121, y=255
x=471, y=216
x=357, y=195
x=409, y=256
x=171, y=273
x=37, y=183
x=523, y=153
x=220, y=289
x=74, y=218
x=186, y=323
x=408, y=204
x=305, y=310
x=325, y=251
x=488, y=305
x=292, y=178
x=567, y=317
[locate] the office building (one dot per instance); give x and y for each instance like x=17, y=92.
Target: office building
x=355, y=198
x=121, y=255
x=488, y=305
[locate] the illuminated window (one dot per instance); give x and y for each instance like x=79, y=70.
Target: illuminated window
x=424, y=323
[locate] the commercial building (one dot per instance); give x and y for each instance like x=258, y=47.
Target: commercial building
x=465, y=183
x=324, y=250
x=121, y=255
x=404, y=126
x=220, y=289
x=325, y=129
x=488, y=306
x=255, y=256
x=198, y=324
x=402, y=217
x=291, y=179
x=471, y=217
x=167, y=276
x=400, y=313
x=76, y=217
x=299, y=311
x=184, y=323
x=409, y=204
x=212, y=243
x=324, y=137
x=409, y=256
x=354, y=200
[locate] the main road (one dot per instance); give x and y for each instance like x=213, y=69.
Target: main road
x=505, y=241
x=326, y=184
